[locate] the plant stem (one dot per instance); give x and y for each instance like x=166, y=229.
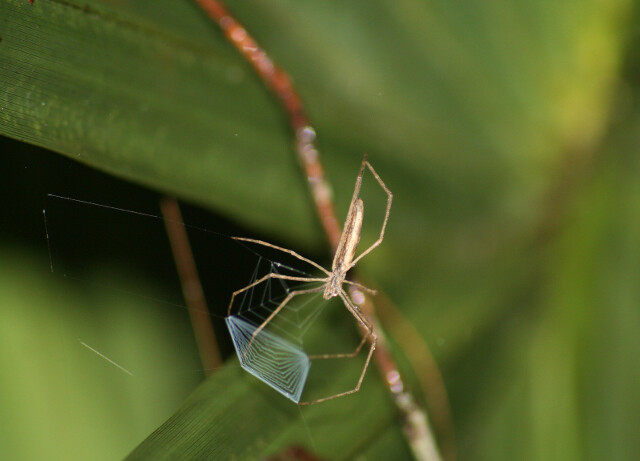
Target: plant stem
x=191, y=286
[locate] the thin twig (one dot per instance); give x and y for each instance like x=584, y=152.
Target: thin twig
x=416, y=422
x=417, y=428
x=191, y=286
x=427, y=372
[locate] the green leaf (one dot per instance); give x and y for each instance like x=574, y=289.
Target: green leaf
x=182, y=113
x=473, y=113
x=249, y=421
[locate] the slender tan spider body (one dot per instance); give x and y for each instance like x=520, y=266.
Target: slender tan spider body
x=332, y=284
x=346, y=249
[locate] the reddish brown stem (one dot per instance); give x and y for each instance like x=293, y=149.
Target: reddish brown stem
x=427, y=372
x=191, y=286
x=416, y=423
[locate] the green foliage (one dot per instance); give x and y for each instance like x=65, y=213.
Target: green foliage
x=505, y=129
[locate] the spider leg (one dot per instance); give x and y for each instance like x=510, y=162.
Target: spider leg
x=386, y=216
x=284, y=250
x=356, y=189
x=364, y=337
x=345, y=355
x=279, y=308
x=362, y=287
x=272, y=275
x=370, y=333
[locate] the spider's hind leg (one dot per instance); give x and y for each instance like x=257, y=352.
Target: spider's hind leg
x=374, y=340
x=344, y=355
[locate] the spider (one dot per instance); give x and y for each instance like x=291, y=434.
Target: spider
x=333, y=283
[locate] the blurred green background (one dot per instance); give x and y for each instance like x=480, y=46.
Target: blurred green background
x=508, y=131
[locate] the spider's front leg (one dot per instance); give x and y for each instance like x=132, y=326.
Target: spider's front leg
x=270, y=275
x=281, y=305
x=273, y=275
